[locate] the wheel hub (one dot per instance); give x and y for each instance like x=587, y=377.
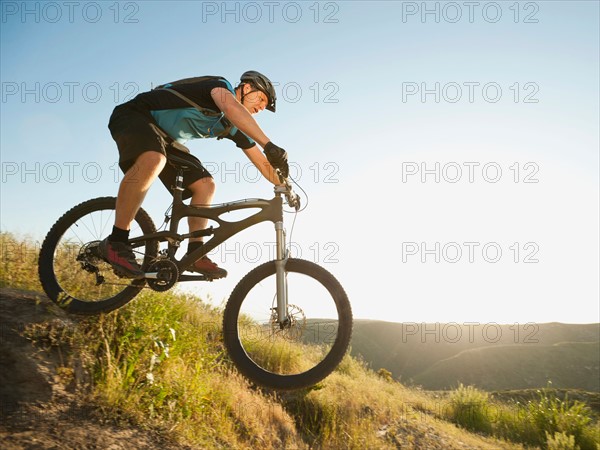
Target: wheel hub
x=89, y=257
x=293, y=327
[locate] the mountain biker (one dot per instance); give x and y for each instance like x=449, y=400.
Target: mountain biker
x=160, y=121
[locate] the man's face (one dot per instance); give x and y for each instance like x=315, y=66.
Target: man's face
x=254, y=100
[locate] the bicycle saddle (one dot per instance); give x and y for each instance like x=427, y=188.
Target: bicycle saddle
x=182, y=160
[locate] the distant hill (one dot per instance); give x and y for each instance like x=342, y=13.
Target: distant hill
x=569, y=364
x=492, y=357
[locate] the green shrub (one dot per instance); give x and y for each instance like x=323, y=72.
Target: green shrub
x=469, y=408
x=561, y=441
x=551, y=415
x=549, y=422
x=385, y=374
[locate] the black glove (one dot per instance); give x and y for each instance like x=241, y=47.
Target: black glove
x=277, y=157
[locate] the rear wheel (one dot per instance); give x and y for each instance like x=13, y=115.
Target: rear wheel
x=71, y=272
x=303, y=350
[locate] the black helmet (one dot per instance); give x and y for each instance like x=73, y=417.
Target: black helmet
x=263, y=84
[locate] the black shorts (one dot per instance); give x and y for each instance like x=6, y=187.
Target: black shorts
x=136, y=132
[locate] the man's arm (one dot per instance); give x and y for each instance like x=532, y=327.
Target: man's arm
x=238, y=115
x=264, y=167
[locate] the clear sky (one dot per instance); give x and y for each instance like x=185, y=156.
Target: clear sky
x=450, y=150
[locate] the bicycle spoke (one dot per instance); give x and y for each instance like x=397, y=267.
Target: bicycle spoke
x=300, y=343
x=71, y=274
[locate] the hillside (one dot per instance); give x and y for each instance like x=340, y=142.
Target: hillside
x=438, y=356
x=40, y=405
x=50, y=399
x=154, y=374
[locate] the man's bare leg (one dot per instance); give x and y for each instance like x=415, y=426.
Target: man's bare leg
x=135, y=185
x=203, y=192
x=132, y=190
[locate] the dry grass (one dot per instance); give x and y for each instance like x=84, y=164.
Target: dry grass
x=355, y=408
x=18, y=262
x=159, y=362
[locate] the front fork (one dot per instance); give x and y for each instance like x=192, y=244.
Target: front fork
x=280, y=261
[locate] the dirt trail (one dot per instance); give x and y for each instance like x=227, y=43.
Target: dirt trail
x=38, y=408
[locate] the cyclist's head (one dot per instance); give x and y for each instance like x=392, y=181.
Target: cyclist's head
x=258, y=82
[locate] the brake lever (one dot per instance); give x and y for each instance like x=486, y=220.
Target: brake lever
x=297, y=203
x=292, y=198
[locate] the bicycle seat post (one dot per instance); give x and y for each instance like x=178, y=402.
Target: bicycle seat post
x=178, y=188
x=179, y=180
x=175, y=207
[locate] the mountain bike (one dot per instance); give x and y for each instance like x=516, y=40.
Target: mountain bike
x=286, y=325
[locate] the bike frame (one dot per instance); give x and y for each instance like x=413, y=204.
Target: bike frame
x=270, y=210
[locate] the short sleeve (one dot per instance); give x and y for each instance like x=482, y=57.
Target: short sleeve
x=241, y=140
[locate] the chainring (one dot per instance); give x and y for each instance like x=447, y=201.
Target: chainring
x=167, y=275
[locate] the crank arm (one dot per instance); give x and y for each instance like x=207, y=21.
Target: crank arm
x=184, y=277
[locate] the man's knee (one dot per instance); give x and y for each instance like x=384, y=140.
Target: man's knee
x=151, y=161
x=203, y=186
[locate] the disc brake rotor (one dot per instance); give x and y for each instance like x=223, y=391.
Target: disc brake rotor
x=294, y=326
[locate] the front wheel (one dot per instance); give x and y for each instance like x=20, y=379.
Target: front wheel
x=308, y=346
x=70, y=269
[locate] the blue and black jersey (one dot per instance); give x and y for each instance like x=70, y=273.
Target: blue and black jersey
x=183, y=122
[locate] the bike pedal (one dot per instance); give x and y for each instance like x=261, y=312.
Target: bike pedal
x=120, y=273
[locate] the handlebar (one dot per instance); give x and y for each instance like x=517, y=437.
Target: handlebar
x=286, y=188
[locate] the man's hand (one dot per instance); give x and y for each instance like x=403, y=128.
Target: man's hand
x=277, y=157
